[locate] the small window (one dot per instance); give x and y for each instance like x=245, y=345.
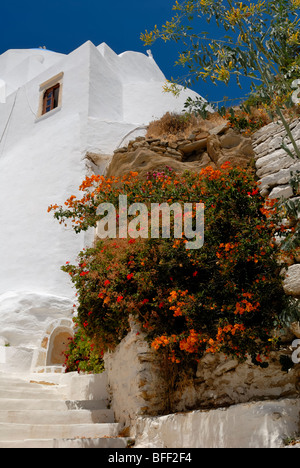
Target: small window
x=50, y=99
x=50, y=96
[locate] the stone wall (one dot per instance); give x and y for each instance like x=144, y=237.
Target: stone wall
x=202, y=148
x=135, y=382
x=273, y=164
x=141, y=383
x=273, y=168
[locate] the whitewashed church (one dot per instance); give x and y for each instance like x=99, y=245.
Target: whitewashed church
x=55, y=109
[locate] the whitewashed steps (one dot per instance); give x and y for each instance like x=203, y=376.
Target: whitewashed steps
x=120, y=442
x=27, y=393
x=35, y=416
x=111, y=443
x=38, y=414
x=15, y=431
x=54, y=405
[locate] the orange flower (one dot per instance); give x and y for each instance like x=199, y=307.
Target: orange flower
x=191, y=343
x=173, y=296
x=160, y=341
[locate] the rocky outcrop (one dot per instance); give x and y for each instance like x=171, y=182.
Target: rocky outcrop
x=201, y=149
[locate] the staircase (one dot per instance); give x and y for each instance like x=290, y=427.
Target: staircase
x=36, y=411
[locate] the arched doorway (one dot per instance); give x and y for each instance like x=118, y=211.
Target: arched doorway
x=58, y=345
x=49, y=356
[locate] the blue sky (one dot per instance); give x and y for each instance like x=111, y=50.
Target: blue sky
x=64, y=25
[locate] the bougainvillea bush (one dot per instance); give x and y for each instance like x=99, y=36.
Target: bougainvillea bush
x=83, y=355
x=224, y=297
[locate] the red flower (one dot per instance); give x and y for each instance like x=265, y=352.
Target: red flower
x=195, y=273
x=119, y=298
x=161, y=304
x=131, y=241
x=129, y=276
x=106, y=282
x=254, y=192
x=145, y=301
x=84, y=273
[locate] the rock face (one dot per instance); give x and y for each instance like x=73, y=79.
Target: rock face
x=201, y=149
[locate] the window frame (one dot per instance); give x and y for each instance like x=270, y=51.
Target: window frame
x=53, y=99
x=56, y=82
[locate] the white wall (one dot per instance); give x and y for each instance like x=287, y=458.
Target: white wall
x=41, y=163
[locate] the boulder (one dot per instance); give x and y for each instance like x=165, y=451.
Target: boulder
x=291, y=283
x=230, y=140
x=231, y=147
x=195, y=146
x=219, y=129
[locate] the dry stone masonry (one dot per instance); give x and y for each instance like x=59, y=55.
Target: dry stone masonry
x=274, y=167
x=273, y=164
x=202, y=148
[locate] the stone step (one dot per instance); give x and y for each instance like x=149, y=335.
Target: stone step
x=10, y=378
x=29, y=443
x=54, y=405
x=23, y=385
x=105, y=442
x=13, y=432
x=36, y=412
x=30, y=393
x=51, y=416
